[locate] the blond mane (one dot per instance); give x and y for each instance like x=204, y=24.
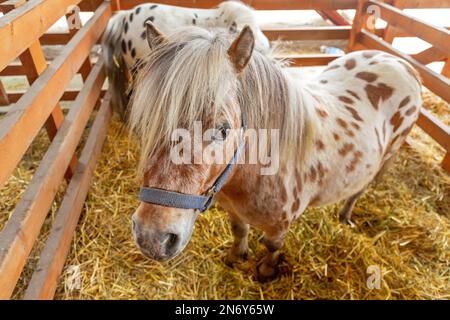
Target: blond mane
x=190, y=78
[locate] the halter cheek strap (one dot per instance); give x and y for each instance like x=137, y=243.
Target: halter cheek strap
x=203, y=202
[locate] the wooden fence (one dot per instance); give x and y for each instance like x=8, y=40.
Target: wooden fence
x=23, y=31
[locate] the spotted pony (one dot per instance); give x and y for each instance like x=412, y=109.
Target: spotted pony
x=337, y=133
x=125, y=41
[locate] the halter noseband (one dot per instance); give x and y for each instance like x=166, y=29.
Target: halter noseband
x=203, y=202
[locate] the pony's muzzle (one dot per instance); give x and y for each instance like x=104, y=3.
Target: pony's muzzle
x=156, y=244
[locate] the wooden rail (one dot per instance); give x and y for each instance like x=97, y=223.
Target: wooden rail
x=439, y=37
x=44, y=280
x=35, y=107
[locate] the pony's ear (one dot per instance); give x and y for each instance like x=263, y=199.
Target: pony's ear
x=154, y=36
x=241, y=49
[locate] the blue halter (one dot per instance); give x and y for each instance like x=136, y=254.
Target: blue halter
x=203, y=202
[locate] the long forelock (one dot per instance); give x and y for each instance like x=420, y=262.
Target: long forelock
x=190, y=78
x=187, y=79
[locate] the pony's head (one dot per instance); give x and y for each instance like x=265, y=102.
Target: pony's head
x=189, y=84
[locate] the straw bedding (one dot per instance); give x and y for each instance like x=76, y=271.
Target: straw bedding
x=402, y=226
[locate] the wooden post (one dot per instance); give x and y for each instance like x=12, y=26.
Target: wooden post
x=34, y=63
x=359, y=22
x=446, y=69
x=446, y=162
x=390, y=31
x=4, y=101
x=86, y=66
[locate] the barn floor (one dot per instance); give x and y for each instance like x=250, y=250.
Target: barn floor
x=402, y=227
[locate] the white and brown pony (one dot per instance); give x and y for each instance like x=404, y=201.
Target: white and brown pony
x=124, y=43
x=337, y=132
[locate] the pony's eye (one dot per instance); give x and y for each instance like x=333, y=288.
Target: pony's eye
x=221, y=132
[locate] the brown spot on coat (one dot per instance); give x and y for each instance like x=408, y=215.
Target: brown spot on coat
x=405, y=132
x=355, y=125
x=396, y=121
x=367, y=76
x=298, y=180
x=370, y=54
x=312, y=174
x=410, y=111
x=353, y=94
x=336, y=136
x=346, y=148
x=323, y=81
x=378, y=93
x=314, y=200
x=321, y=172
x=295, y=205
x=404, y=102
x=342, y=123
x=354, y=113
x=346, y=99
x=350, y=64
x=332, y=67
x=322, y=113
x=357, y=156
x=320, y=145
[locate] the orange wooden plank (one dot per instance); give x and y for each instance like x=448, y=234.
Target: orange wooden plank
x=20, y=232
x=307, y=33
x=305, y=60
x=426, y=3
x=55, y=38
x=435, y=128
x=334, y=17
x=429, y=55
x=29, y=21
x=69, y=95
x=13, y=70
x=30, y=112
x=51, y=262
x=437, y=83
x=9, y=5
x=437, y=36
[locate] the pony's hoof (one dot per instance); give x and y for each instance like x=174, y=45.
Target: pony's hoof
x=266, y=273
x=233, y=258
x=348, y=222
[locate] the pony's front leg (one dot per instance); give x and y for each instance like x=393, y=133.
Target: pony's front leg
x=267, y=268
x=239, y=249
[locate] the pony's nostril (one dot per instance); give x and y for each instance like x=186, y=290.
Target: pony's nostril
x=170, y=241
x=140, y=241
